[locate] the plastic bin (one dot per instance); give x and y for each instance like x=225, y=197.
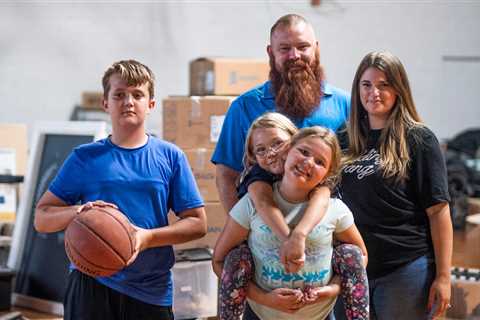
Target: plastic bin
x=195, y=290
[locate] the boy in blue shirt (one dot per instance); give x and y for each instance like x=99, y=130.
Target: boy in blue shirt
x=144, y=177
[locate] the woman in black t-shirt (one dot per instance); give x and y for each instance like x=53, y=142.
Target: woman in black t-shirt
x=394, y=181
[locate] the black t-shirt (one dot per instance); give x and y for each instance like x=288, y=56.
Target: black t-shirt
x=256, y=173
x=391, y=216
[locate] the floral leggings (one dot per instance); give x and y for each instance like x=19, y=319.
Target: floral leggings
x=238, y=270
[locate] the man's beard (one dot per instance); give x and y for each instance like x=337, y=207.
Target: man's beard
x=297, y=87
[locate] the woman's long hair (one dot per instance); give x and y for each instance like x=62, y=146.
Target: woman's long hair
x=394, y=152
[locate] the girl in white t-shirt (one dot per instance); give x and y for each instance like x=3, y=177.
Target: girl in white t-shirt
x=312, y=159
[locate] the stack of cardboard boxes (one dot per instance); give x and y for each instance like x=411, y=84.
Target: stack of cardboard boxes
x=194, y=123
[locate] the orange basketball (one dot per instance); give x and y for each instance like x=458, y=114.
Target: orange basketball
x=100, y=241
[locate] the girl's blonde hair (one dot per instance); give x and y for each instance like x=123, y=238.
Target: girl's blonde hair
x=394, y=154
x=267, y=120
x=330, y=139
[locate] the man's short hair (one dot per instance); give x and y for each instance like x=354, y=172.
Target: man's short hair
x=131, y=71
x=287, y=21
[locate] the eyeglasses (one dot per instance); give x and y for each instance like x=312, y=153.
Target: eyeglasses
x=275, y=148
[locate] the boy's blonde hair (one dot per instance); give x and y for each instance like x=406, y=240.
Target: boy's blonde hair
x=330, y=139
x=131, y=71
x=267, y=120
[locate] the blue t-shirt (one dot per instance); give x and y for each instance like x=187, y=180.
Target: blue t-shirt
x=332, y=113
x=145, y=183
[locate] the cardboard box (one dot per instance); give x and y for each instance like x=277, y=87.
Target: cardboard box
x=216, y=218
x=224, y=76
x=13, y=149
x=465, y=299
x=194, y=122
x=204, y=171
x=92, y=100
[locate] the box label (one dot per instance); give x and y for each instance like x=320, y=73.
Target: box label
x=216, y=123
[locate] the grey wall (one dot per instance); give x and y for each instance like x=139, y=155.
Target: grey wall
x=52, y=51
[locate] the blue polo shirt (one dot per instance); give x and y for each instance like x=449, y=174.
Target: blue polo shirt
x=332, y=113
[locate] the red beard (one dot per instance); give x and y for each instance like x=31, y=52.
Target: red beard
x=297, y=87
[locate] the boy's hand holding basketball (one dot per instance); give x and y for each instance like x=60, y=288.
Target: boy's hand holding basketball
x=141, y=239
x=97, y=203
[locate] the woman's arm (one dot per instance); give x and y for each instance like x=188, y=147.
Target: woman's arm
x=442, y=238
x=232, y=235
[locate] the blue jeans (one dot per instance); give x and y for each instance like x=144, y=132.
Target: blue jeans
x=402, y=294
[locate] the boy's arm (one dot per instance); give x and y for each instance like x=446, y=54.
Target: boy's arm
x=292, y=252
x=261, y=194
x=191, y=225
x=52, y=214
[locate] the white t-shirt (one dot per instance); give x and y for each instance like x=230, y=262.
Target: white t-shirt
x=270, y=273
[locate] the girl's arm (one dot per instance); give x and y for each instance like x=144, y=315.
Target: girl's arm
x=292, y=252
x=232, y=235
x=283, y=299
x=442, y=238
x=352, y=236
x=261, y=194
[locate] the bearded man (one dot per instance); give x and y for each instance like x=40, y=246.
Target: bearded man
x=296, y=88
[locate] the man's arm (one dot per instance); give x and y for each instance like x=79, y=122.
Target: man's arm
x=226, y=179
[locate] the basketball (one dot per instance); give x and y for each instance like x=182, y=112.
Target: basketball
x=100, y=241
